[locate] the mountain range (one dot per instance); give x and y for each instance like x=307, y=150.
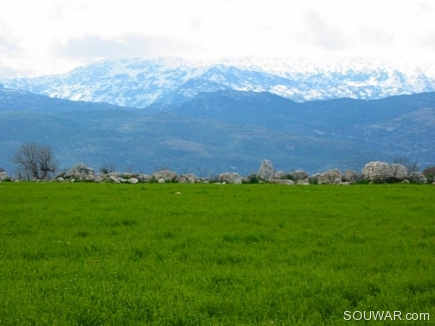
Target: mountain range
x=141, y=83
x=222, y=130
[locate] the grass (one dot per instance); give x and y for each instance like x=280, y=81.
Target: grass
x=104, y=254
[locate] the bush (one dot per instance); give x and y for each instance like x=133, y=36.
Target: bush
x=429, y=173
x=252, y=179
x=314, y=181
x=107, y=168
x=290, y=177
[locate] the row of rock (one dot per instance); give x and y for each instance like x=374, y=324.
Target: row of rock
x=375, y=172
x=82, y=172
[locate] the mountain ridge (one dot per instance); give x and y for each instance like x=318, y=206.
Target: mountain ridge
x=222, y=131
x=141, y=83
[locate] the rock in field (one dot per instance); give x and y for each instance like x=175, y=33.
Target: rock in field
x=79, y=172
x=299, y=175
x=230, y=177
x=166, y=175
x=399, y=172
x=3, y=176
x=417, y=177
x=331, y=177
x=351, y=176
x=266, y=170
x=377, y=171
x=280, y=175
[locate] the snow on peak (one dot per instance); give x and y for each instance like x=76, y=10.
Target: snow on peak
x=139, y=83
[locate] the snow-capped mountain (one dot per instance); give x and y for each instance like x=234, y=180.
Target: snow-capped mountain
x=140, y=83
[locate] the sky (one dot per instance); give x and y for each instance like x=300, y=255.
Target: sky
x=52, y=36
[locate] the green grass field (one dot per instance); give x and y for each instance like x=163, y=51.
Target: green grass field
x=104, y=254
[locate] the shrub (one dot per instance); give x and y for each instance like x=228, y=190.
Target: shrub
x=429, y=173
x=290, y=177
x=107, y=168
x=314, y=181
x=253, y=178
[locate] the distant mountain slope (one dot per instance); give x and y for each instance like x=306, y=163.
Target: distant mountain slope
x=21, y=100
x=140, y=83
x=276, y=112
x=222, y=131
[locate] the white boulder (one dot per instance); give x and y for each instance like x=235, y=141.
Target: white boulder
x=266, y=170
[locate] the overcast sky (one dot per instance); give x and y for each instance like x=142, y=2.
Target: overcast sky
x=54, y=35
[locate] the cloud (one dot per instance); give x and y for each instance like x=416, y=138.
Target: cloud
x=426, y=7
x=96, y=47
x=80, y=31
x=426, y=41
x=372, y=37
x=322, y=35
x=7, y=46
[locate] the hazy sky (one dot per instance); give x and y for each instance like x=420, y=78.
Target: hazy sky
x=58, y=34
